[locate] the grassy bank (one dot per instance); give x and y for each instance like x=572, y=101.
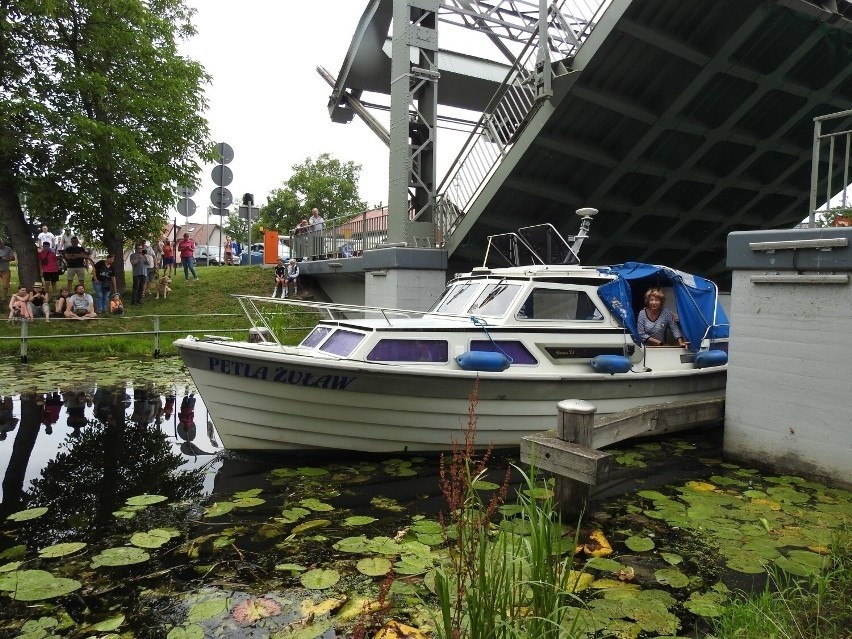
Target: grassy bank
x=199, y=307
x=798, y=608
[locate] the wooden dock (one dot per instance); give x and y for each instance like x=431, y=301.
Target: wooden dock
x=572, y=452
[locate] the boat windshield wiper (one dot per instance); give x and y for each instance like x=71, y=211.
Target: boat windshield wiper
x=498, y=288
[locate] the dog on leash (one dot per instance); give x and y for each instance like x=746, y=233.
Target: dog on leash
x=163, y=287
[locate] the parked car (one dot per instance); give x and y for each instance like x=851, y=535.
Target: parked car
x=208, y=256
x=255, y=254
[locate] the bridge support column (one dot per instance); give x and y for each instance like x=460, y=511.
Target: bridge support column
x=403, y=277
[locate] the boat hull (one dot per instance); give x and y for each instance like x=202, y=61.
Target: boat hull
x=271, y=400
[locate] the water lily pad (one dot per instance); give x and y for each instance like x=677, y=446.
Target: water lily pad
x=311, y=472
x=290, y=515
x=293, y=568
x=252, y=610
x=746, y=562
x=12, y=565
x=653, y=495
x=145, y=500
x=671, y=558
x=386, y=503
x=123, y=556
x=481, y=484
x=108, y=625
x=248, y=494
x=310, y=525
x=316, y=505
x=359, y=520
x=124, y=514
x=320, y=578
x=671, y=577
x=210, y=609
x=151, y=539
x=36, y=585
x=374, y=566
x=638, y=543
x=700, y=486
x=219, y=508
x=248, y=502
x=704, y=604
x=26, y=515
x=61, y=550
x=604, y=563
x=192, y=631
x=353, y=544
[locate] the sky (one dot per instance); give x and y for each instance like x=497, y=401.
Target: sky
x=266, y=99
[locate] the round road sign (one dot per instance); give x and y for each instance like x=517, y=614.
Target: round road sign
x=222, y=175
x=224, y=152
x=186, y=207
x=221, y=197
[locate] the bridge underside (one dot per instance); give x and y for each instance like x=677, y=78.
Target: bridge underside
x=680, y=122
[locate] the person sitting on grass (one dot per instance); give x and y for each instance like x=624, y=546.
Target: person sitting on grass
x=80, y=305
x=19, y=305
x=62, y=302
x=115, y=305
x=39, y=303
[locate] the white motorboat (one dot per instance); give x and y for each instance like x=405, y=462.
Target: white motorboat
x=527, y=335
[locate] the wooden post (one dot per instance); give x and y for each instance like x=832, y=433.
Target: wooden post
x=575, y=423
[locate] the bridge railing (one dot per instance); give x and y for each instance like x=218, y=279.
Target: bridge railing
x=512, y=107
x=832, y=149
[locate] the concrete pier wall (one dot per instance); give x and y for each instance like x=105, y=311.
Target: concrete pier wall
x=788, y=401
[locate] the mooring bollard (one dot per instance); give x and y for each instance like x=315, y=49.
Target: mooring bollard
x=575, y=424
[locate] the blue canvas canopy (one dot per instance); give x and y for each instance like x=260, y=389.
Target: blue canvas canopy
x=699, y=313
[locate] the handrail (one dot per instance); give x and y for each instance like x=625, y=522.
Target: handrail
x=509, y=111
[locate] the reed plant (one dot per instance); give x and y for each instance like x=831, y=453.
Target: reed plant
x=507, y=579
x=819, y=606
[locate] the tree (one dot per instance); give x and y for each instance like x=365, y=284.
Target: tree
x=118, y=115
x=325, y=183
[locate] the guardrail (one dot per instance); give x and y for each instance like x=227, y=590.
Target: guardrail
x=342, y=237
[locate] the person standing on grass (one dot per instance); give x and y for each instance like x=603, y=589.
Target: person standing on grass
x=139, y=265
x=75, y=259
x=103, y=282
x=46, y=236
x=168, y=257
x=229, y=252
x=48, y=264
x=186, y=248
x=7, y=256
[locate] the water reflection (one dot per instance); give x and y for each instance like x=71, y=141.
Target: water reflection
x=104, y=440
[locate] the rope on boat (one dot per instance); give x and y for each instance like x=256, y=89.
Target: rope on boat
x=483, y=325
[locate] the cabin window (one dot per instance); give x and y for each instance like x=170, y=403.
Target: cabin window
x=495, y=299
x=409, y=350
x=456, y=298
x=316, y=336
x=342, y=342
x=514, y=349
x=555, y=304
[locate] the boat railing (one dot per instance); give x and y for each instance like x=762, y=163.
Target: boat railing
x=253, y=307
x=530, y=245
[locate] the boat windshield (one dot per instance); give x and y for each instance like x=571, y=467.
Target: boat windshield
x=495, y=299
x=456, y=298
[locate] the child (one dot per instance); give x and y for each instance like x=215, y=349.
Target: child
x=115, y=305
x=280, y=279
x=18, y=305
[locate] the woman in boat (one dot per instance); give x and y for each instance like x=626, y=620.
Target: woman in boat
x=654, y=319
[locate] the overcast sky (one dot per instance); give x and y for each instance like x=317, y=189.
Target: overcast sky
x=267, y=100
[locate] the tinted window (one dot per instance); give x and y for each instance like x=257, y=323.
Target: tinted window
x=342, y=342
x=409, y=350
x=517, y=351
x=552, y=304
x=316, y=336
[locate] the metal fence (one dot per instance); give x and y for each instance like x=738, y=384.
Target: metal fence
x=156, y=332
x=832, y=148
